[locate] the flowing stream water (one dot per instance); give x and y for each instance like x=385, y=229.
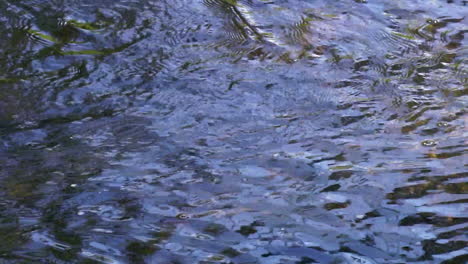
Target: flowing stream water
x=233, y=131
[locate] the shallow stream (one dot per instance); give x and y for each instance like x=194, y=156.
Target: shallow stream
x=224, y=131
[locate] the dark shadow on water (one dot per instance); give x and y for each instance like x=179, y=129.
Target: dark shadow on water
x=222, y=131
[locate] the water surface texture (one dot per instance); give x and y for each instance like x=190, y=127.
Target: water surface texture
x=233, y=131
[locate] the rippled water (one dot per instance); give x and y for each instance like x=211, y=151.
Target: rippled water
x=224, y=131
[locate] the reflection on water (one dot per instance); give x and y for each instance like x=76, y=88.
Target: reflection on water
x=233, y=131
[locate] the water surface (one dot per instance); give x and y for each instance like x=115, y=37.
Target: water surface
x=224, y=131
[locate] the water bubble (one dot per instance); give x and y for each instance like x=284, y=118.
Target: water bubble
x=102, y=230
x=442, y=124
x=183, y=216
x=429, y=143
